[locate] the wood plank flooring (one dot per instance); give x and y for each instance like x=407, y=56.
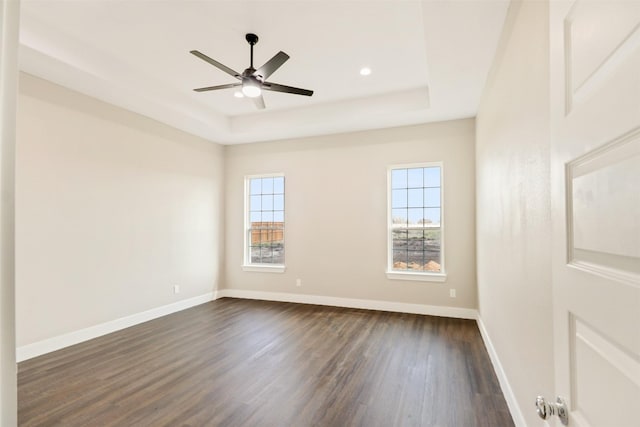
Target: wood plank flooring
x=235, y=362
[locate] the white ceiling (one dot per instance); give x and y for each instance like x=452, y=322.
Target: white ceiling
x=430, y=60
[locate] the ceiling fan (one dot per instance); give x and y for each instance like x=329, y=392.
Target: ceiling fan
x=253, y=81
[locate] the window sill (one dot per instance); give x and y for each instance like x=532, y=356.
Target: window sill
x=420, y=277
x=264, y=268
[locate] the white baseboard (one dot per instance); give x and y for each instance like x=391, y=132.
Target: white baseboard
x=52, y=344
x=401, y=307
x=56, y=343
x=509, y=396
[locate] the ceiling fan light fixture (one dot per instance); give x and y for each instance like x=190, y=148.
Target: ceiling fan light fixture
x=251, y=90
x=238, y=94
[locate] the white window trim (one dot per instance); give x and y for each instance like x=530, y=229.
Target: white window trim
x=424, y=276
x=264, y=268
x=246, y=264
x=416, y=276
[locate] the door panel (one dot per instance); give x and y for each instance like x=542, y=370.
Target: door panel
x=599, y=184
x=599, y=37
x=604, y=381
x=595, y=159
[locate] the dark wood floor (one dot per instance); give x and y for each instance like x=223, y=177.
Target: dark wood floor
x=237, y=362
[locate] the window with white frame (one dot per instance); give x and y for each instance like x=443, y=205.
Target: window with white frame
x=415, y=229
x=264, y=229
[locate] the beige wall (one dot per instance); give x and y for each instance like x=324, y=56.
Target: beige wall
x=336, y=219
x=9, y=23
x=513, y=207
x=112, y=210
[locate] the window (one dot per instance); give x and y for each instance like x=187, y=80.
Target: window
x=415, y=222
x=264, y=229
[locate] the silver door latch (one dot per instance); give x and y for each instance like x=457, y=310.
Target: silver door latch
x=548, y=409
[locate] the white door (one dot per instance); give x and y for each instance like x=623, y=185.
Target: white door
x=595, y=175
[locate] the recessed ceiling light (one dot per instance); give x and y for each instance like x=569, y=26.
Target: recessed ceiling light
x=365, y=71
x=238, y=94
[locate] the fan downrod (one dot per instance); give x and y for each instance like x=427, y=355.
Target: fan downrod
x=251, y=38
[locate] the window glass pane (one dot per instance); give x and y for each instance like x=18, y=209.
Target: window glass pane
x=278, y=202
x=415, y=255
x=255, y=203
x=432, y=197
x=278, y=252
x=415, y=240
x=267, y=202
x=416, y=260
x=415, y=215
x=255, y=217
x=432, y=177
x=432, y=216
x=277, y=237
x=267, y=216
x=399, y=198
x=255, y=185
x=266, y=254
x=415, y=197
x=256, y=236
x=399, y=216
x=432, y=250
x=278, y=216
x=415, y=177
x=400, y=240
x=400, y=234
x=255, y=254
x=400, y=260
x=278, y=185
x=399, y=178
x=267, y=246
x=267, y=185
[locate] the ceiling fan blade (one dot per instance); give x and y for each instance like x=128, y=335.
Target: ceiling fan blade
x=271, y=65
x=287, y=89
x=216, y=64
x=227, y=86
x=259, y=102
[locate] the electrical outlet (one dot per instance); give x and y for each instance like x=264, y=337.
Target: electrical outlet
x=176, y=289
x=298, y=282
x=452, y=293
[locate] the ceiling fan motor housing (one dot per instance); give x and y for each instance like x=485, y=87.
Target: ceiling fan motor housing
x=248, y=74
